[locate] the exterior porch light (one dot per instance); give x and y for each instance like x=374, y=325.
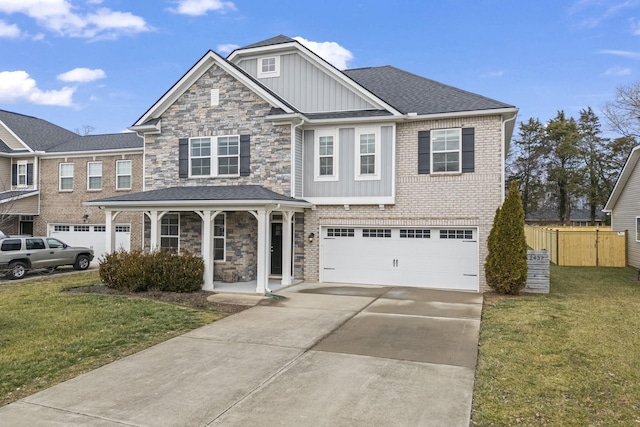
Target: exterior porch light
x=311, y=237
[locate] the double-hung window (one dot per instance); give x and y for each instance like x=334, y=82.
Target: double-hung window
x=123, y=175
x=170, y=232
x=367, y=154
x=215, y=156
x=22, y=174
x=219, y=237
x=326, y=156
x=66, y=177
x=94, y=175
x=446, y=150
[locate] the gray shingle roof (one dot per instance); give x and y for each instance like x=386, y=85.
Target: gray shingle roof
x=176, y=194
x=269, y=42
x=409, y=93
x=36, y=133
x=113, y=141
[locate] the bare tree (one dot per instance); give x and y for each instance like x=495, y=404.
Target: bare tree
x=86, y=130
x=623, y=113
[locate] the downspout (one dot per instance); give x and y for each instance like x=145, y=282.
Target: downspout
x=293, y=156
x=504, y=153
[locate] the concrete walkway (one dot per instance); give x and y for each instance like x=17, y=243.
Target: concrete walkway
x=327, y=355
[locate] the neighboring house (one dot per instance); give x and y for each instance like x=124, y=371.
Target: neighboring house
x=577, y=218
x=624, y=206
x=47, y=172
x=273, y=163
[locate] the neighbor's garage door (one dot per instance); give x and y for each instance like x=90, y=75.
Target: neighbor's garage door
x=443, y=258
x=91, y=236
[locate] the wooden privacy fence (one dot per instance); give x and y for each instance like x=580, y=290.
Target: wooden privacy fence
x=580, y=246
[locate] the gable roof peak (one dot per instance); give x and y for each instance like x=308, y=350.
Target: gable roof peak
x=279, y=39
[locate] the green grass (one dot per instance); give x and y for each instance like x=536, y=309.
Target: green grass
x=570, y=358
x=47, y=336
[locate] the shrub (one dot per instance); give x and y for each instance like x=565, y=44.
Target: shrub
x=506, y=264
x=137, y=271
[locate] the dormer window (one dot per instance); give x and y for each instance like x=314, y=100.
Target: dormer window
x=268, y=67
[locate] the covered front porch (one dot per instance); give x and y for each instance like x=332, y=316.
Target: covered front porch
x=262, y=238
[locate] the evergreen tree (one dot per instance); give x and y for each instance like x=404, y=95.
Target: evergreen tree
x=564, y=173
x=506, y=264
x=526, y=164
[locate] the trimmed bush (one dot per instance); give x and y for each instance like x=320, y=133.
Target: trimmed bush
x=506, y=264
x=137, y=271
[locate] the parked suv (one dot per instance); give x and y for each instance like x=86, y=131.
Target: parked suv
x=18, y=254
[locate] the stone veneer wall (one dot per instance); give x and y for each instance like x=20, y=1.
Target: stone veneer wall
x=469, y=199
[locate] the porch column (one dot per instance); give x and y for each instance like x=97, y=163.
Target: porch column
x=207, y=249
x=110, y=235
x=287, y=221
x=262, y=276
x=154, y=242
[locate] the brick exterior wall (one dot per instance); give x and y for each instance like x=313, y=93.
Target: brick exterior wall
x=66, y=206
x=469, y=199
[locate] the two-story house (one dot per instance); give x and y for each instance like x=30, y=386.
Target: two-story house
x=273, y=163
x=47, y=172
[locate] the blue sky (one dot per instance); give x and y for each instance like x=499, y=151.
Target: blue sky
x=103, y=63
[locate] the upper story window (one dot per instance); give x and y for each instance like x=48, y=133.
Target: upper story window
x=123, y=174
x=94, y=175
x=326, y=156
x=66, y=177
x=224, y=160
x=446, y=147
x=367, y=154
x=22, y=174
x=269, y=67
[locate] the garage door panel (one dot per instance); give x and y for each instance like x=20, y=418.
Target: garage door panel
x=91, y=236
x=424, y=260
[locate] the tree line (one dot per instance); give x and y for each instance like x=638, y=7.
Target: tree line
x=568, y=160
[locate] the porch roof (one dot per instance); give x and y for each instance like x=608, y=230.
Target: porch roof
x=189, y=197
x=10, y=196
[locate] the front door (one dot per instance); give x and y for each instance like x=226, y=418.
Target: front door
x=276, y=248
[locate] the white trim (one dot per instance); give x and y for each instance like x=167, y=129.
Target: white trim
x=170, y=236
x=214, y=157
x=26, y=173
x=432, y=151
x=224, y=237
x=190, y=205
x=625, y=174
x=393, y=162
x=215, y=97
x=358, y=176
x=91, y=153
x=381, y=200
x=89, y=176
x=60, y=177
x=322, y=133
x=268, y=74
x=13, y=134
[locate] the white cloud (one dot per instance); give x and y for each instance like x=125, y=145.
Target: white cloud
x=17, y=86
x=331, y=52
x=63, y=18
x=82, y=75
x=10, y=31
x=623, y=53
x=618, y=71
x=226, y=48
x=201, y=7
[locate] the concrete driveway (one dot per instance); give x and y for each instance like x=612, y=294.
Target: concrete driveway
x=327, y=355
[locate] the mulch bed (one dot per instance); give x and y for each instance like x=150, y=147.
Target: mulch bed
x=196, y=300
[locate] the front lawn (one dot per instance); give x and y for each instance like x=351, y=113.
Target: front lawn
x=48, y=336
x=570, y=358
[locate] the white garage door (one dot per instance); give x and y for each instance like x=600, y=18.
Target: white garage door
x=442, y=258
x=91, y=236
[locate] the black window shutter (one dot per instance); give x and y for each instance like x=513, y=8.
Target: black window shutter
x=424, y=150
x=245, y=155
x=29, y=173
x=14, y=174
x=468, y=156
x=183, y=157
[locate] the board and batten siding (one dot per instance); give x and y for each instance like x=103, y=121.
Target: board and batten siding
x=624, y=215
x=308, y=87
x=347, y=185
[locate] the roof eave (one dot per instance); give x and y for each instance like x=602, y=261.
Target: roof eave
x=152, y=129
x=631, y=162
x=467, y=113
x=83, y=153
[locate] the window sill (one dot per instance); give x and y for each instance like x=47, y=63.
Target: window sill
x=367, y=178
x=123, y=189
x=445, y=174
